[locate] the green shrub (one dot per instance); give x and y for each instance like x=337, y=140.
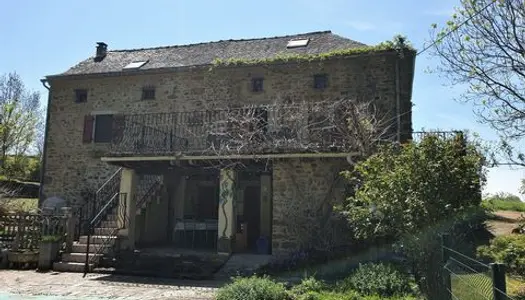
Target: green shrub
x=253, y=288
x=499, y=204
x=507, y=249
x=349, y=295
x=377, y=279
x=309, y=284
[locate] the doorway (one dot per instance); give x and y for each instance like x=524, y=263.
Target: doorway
x=252, y=216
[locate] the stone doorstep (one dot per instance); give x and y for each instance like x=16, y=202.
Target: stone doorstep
x=71, y=267
x=104, y=231
x=97, y=239
x=108, y=224
x=81, y=257
x=81, y=248
x=111, y=217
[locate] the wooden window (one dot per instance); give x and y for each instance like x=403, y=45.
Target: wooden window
x=148, y=93
x=257, y=84
x=81, y=95
x=320, y=81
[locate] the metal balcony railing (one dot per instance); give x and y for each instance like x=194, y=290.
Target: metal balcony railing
x=263, y=129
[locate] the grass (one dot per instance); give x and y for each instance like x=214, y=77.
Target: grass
x=479, y=286
x=21, y=204
x=495, y=204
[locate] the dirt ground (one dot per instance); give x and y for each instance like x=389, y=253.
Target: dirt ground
x=61, y=286
x=504, y=222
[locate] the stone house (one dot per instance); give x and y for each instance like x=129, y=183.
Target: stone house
x=185, y=146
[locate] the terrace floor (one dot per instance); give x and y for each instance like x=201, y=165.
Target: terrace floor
x=62, y=286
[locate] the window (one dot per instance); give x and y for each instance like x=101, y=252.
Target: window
x=257, y=84
x=81, y=95
x=320, y=81
x=148, y=93
x=297, y=43
x=98, y=128
x=135, y=64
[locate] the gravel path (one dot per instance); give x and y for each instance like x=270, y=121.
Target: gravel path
x=96, y=286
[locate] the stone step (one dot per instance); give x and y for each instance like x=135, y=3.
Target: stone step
x=71, y=267
x=104, y=231
x=108, y=224
x=80, y=257
x=97, y=239
x=93, y=248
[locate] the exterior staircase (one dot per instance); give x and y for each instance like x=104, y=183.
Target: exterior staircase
x=104, y=235
x=101, y=243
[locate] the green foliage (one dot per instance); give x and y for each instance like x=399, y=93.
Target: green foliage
x=377, y=279
x=21, y=167
x=508, y=197
x=309, y=284
x=498, y=204
x=507, y=249
x=403, y=189
x=51, y=238
x=253, y=288
x=350, y=295
x=398, y=43
x=414, y=193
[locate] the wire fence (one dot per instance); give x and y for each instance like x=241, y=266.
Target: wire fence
x=469, y=279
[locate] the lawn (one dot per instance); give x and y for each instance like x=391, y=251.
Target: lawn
x=479, y=286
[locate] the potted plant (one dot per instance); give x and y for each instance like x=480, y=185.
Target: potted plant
x=19, y=258
x=49, y=247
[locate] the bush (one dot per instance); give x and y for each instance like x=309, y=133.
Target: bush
x=498, y=204
x=253, y=288
x=507, y=249
x=350, y=295
x=377, y=279
x=309, y=284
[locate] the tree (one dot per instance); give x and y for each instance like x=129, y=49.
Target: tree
x=20, y=117
x=502, y=196
x=411, y=194
x=483, y=47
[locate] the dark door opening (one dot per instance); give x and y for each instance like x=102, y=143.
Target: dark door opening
x=252, y=215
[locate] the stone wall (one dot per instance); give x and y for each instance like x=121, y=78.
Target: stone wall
x=304, y=191
x=72, y=165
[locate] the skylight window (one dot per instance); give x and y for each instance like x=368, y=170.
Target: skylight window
x=135, y=64
x=297, y=43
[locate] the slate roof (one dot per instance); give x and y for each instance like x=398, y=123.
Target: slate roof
x=206, y=53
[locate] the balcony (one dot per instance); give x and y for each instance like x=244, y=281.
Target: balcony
x=248, y=130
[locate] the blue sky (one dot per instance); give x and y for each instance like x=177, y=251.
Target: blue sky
x=46, y=37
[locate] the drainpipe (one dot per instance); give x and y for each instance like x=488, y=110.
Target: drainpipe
x=398, y=101
x=44, y=152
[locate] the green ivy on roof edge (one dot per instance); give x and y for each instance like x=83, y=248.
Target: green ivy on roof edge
x=399, y=43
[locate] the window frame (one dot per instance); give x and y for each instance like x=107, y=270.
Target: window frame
x=79, y=93
x=256, y=87
x=323, y=84
x=146, y=90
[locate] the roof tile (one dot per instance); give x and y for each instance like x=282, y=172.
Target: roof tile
x=206, y=53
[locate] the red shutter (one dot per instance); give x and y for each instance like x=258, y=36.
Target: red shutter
x=88, y=129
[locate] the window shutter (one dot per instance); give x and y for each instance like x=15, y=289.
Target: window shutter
x=88, y=129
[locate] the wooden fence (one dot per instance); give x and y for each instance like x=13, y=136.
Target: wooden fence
x=20, y=231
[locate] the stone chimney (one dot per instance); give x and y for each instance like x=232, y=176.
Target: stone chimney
x=102, y=50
